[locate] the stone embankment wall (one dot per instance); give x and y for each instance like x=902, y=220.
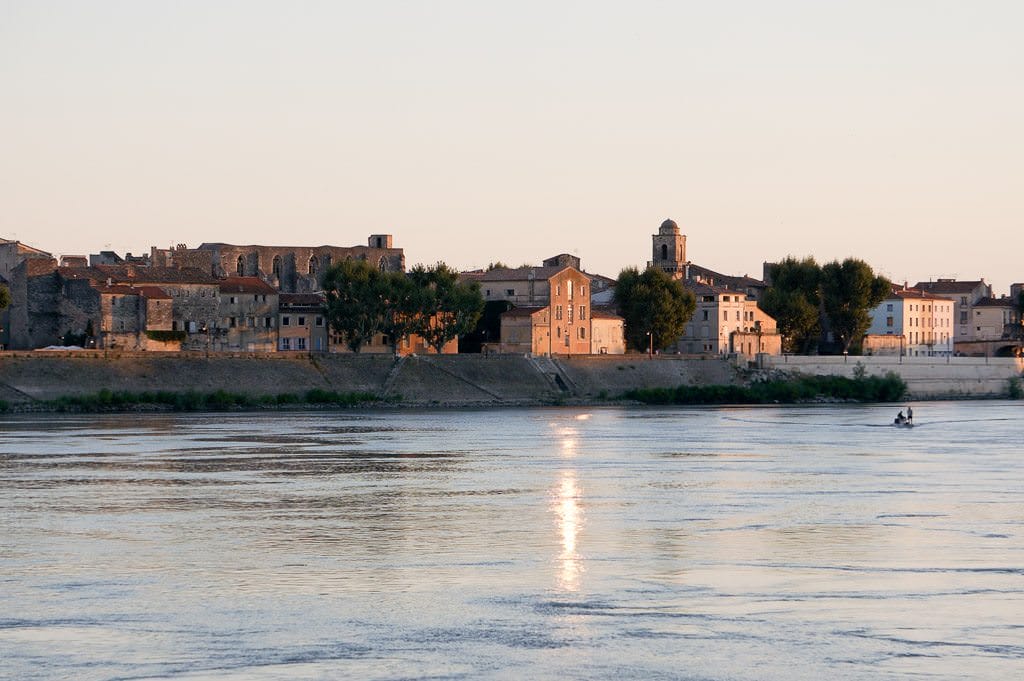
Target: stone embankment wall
x=926, y=377
x=27, y=377
x=459, y=380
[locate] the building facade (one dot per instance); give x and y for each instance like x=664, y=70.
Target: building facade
x=922, y=323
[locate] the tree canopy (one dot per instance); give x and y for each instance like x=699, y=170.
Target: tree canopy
x=651, y=302
x=5, y=297
x=849, y=291
x=362, y=302
x=804, y=297
x=794, y=302
x=448, y=308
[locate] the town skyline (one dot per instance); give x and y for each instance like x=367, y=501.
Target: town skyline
x=886, y=132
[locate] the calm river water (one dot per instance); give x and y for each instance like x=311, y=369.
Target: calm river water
x=683, y=543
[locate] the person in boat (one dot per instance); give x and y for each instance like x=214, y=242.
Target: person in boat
x=900, y=418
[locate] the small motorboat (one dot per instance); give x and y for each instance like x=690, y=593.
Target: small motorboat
x=902, y=422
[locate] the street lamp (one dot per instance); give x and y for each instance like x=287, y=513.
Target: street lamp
x=650, y=345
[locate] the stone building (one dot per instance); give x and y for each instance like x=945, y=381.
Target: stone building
x=289, y=269
x=12, y=255
x=727, y=319
x=965, y=294
x=607, y=332
x=247, y=316
x=727, y=322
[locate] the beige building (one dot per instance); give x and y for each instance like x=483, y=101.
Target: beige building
x=726, y=322
x=302, y=323
x=965, y=295
x=134, y=318
x=607, y=333
x=922, y=323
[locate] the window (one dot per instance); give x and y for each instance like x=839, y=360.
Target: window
x=233, y=300
x=286, y=320
x=570, y=314
x=312, y=264
x=664, y=251
x=510, y=292
x=583, y=312
x=725, y=315
x=232, y=322
x=301, y=321
x=250, y=322
x=568, y=289
x=558, y=331
x=268, y=322
x=174, y=326
x=888, y=308
x=558, y=311
x=276, y=266
x=319, y=321
x=240, y=266
x=286, y=343
x=737, y=315
x=705, y=314
x=300, y=343
x=888, y=321
x=583, y=333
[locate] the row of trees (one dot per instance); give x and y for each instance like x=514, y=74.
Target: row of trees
x=806, y=299
x=431, y=302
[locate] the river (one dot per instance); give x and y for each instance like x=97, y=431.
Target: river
x=806, y=542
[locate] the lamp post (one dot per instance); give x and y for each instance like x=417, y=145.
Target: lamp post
x=650, y=345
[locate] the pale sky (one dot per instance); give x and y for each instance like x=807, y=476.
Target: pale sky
x=477, y=131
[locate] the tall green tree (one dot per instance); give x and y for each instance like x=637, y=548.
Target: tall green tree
x=794, y=301
x=448, y=308
x=356, y=301
x=654, y=306
x=849, y=291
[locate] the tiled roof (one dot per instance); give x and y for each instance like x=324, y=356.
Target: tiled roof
x=949, y=286
x=915, y=294
x=151, y=292
x=522, y=273
x=699, y=289
x=996, y=302
x=603, y=313
x=246, y=285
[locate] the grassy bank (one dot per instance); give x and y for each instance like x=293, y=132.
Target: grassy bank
x=888, y=388
x=220, y=400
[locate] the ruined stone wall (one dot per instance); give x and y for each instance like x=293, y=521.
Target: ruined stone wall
x=295, y=269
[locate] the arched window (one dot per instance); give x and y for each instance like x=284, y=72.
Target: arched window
x=240, y=266
x=312, y=264
x=664, y=251
x=382, y=264
x=277, y=266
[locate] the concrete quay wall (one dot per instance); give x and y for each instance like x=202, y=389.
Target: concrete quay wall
x=926, y=377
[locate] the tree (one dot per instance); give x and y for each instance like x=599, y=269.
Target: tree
x=849, y=291
x=794, y=301
x=5, y=298
x=448, y=308
x=655, y=307
x=355, y=304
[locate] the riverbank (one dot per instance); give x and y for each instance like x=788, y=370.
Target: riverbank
x=46, y=381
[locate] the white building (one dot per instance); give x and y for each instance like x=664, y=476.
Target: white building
x=921, y=324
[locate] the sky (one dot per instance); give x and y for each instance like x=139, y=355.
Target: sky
x=476, y=132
